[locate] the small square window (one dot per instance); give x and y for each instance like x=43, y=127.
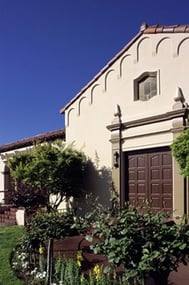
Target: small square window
x=145, y=87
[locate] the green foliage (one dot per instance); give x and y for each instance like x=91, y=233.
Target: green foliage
x=52, y=168
x=19, y=260
x=32, y=273
x=68, y=272
x=141, y=241
x=28, y=197
x=29, y=259
x=180, y=150
x=54, y=225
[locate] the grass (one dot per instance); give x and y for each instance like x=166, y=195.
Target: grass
x=8, y=238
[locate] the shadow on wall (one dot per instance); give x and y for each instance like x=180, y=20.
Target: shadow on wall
x=98, y=184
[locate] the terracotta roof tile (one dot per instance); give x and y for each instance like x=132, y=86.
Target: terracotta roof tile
x=167, y=29
x=159, y=30
x=180, y=29
x=151, y=29
x=50, y=136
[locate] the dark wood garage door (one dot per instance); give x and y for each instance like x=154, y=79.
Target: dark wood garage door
x=149, y=176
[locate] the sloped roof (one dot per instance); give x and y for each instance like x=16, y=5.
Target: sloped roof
x=46, y=137
x=144, y=29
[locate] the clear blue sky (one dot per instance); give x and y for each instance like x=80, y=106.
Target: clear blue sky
x=49, y=49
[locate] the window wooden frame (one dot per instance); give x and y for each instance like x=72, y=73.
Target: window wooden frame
x=141, y=79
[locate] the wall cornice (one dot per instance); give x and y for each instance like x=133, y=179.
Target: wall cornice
x=149, y=120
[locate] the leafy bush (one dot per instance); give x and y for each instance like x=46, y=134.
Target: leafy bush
x=54, y=225
x=30, y=198
x=144, y=243
x=180, y=150
x=50, y=167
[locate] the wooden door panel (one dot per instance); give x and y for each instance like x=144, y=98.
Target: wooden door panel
x=155, y=174
x=150, y=177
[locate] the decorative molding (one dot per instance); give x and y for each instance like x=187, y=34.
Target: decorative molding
x=121, y=64
x=178, y=130
x=179, y=96
x=179, y=99
x=102, y=72
x=68, y=116
x=106, y=79
x=155, y=73
x=154, y=133
x=79, y=105
x=138, y=46
x=92, y=92
x=114, y=127
x=149, y=120
x=160, y=42
x=156, y=119
x=117, y=115
x=180, y=44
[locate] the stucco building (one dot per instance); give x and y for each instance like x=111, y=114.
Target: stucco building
x=127, y=116
x=6, y=186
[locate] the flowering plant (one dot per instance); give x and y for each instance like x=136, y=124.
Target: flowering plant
x=68, y=271
x=38, y=277
x=22, y=263
x=80, y=258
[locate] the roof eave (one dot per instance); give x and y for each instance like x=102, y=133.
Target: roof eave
x=110, y=63
x=145, y=29
x=50, y=136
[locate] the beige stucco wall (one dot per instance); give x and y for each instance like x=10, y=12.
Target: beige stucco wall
x=89, y=115
x=148, y=136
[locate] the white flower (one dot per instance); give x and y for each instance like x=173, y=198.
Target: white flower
x=33, y=272
x=39, y=275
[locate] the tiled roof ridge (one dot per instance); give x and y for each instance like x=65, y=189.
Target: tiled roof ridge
x=166, y=29
x=31, y=140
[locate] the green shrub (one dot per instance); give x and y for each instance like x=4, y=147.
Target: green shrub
x=142, y=241
x=180, y=150
x=51, y=225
